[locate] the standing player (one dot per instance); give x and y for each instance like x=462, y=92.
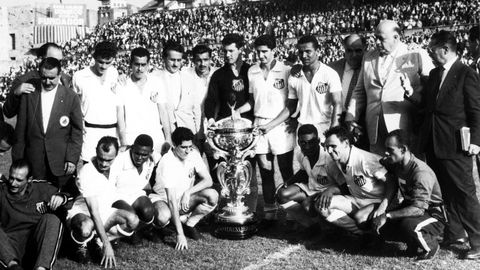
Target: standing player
x=92, y=212
x=100, y=104
x=315, y=97
x=201, y=72
x=142, y=109
x=177, y=196
x=268, y=97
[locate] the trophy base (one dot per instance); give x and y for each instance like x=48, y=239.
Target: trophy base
x=235, y=227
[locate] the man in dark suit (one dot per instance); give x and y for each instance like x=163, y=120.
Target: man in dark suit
x=452, y=101
x=49, y=127
x=21, y=84
x=348, y=68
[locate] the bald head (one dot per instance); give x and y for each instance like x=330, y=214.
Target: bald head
x=354, y=49
x=388, y=36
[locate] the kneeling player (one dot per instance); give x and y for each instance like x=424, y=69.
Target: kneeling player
x=309, y=180
x=370, y=188
x=92, y=211
x=419, y=220
x=131, y=172
x=177, y=196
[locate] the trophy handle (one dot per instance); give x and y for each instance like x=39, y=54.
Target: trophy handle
x=221, y=171
x=248, y=150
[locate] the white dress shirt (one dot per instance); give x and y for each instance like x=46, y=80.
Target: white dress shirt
x=47, y=98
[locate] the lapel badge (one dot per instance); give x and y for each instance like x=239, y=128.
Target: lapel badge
x=64, y=121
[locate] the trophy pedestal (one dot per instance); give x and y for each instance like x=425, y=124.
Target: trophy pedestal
x=235, y=223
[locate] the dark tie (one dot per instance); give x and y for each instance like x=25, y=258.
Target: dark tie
x=351, y=86
x=441, y=69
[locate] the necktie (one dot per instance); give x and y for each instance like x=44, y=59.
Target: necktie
x=351, y=86
x=441, y=69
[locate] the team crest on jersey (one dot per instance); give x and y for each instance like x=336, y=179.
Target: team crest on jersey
x=322, y=88
x=279, y=83
x=322, y=180
x=359, y=180
x=191, y=173
x=238, y=85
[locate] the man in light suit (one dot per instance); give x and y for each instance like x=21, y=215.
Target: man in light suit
x=387, y=73
x=177, y=85
x=452, y=101
x=49, y=127
x=348, y=68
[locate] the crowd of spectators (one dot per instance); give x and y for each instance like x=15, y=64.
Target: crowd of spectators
x=286, y=20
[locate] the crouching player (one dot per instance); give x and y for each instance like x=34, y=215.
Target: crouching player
x=369, y=187
x=419, y=220
x=92, y=212
x=296, y=198
x=177, y=196
x=30, y=232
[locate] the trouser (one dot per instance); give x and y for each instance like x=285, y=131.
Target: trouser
x=41, y=240
x=459, y=193
x=422, y=231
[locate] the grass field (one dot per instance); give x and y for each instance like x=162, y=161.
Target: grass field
x=269, y=249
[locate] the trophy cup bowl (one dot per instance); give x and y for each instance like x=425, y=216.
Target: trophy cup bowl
x=233, y=140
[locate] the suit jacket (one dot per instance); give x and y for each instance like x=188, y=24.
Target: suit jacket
x=12, y=103
x=62, y=140
x=457, y=105
x=339, y=67
x=188, y=112
x=373, y=95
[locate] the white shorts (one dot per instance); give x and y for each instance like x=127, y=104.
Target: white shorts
x=91, y=136
x=304, y=187
x=277, y=141
x=81, y=208
x=155, y=197
x=130, y=197
x=360, y=203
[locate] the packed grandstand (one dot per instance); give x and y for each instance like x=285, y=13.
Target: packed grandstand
x=286, y=20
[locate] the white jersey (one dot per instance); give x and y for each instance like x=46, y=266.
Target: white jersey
x=98, y=99
x=141, y=110
x=318, y=179
x=201, y=84
x=128, y=181
x=315, y=103
x=270, y=95
x=173, y=173
x=91, y=183
x=363, y=174
x=99, y=103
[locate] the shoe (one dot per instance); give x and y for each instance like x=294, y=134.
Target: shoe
x=428, y=255
x=192, y=233
x=473, y=254
x=454, y=242
x=15, y=267
x=411, y=251
x=80, y=254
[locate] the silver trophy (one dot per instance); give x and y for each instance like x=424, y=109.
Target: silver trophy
x=232, y=139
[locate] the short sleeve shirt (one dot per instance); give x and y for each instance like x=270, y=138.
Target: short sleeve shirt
x=318, y=179
x=91, y=183
x=315, y=103
x=363, y=174
x=125, y=174
x=173, y=173
x=98, y=99
x=270, y=95
x=141, y=111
